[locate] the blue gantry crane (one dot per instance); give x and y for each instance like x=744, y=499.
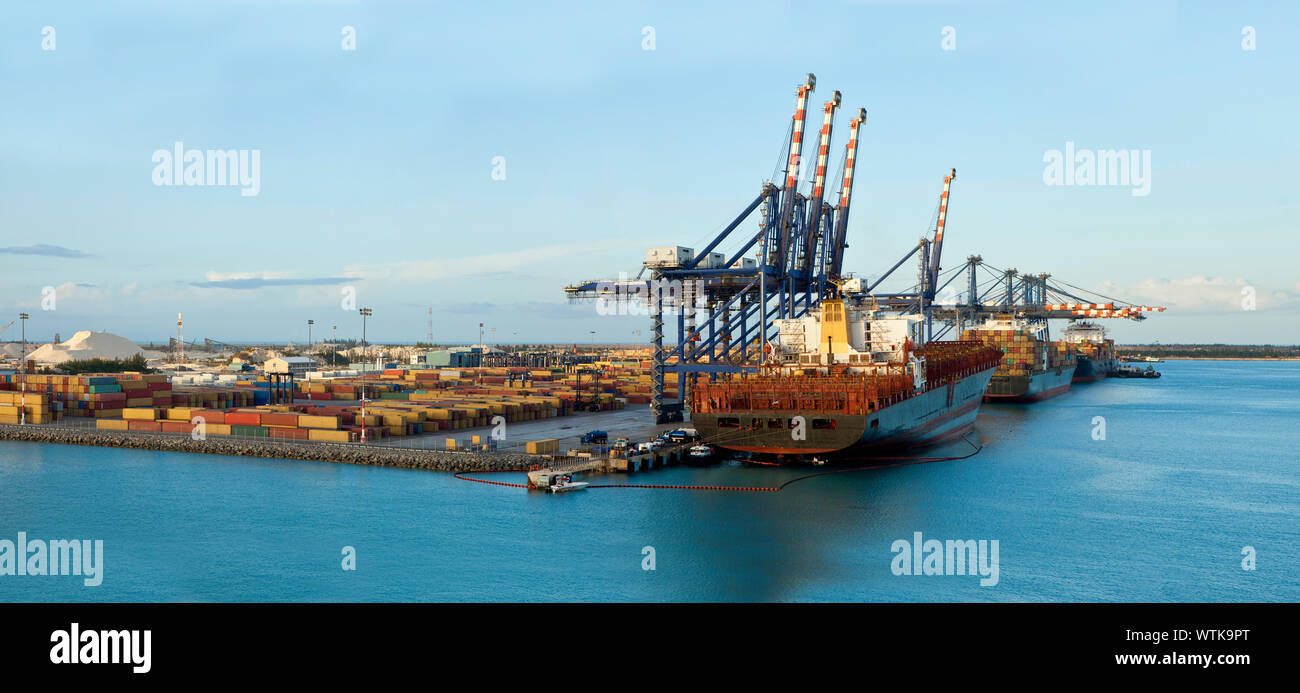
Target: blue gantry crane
x=726, y=304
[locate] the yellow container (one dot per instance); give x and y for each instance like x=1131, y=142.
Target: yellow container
x=139, y=414
x=325, y=422
x=546, y=446
x=112, y=424
x=328, y=436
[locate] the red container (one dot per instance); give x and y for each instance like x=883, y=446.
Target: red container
x=212, y=416
x=243, y=418
x=176, y=427
x=134, y=425
x=290, y=433
x=277, y=419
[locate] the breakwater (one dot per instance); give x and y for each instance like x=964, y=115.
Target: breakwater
x=433, y=460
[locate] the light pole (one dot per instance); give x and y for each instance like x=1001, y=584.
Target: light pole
x=365, y=313
x=593, y=341
x=22, y=408
x=309, y=324
x=334, y=348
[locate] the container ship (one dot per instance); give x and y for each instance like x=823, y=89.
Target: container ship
x=856, y=380
x=1032, y=368
x=1094, y=353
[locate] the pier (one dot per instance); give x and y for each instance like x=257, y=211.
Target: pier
x=578, y=462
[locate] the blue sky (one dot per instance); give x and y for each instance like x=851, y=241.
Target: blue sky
x=375, y=164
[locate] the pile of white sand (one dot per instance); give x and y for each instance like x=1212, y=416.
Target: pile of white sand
x=89, y=345
x=13, y=350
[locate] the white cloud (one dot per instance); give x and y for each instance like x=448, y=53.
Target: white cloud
x=1199, y=294
x=83, y=291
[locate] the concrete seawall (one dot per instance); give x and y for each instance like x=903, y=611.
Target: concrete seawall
x=434, y=460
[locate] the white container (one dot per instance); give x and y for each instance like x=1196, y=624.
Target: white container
x=668, y=256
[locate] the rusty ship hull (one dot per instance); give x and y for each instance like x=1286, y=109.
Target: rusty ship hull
x=798, y=413
x=934, y=416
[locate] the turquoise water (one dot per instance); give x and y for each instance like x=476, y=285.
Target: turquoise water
x=1194, y=467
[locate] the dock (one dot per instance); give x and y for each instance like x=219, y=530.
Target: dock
x=583, y=462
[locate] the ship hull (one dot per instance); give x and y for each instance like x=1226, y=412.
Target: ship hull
x=1030, y=388
x=1091, y=370
x=935, y=416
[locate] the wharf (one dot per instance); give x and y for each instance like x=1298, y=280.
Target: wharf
x=587, y=463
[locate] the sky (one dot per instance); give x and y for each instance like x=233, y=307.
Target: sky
x=474, y=158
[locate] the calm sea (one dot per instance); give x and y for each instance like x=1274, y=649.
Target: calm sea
x=1193, y=468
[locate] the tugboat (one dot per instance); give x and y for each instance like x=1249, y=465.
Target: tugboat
x=701, y=455
x=1135, y=372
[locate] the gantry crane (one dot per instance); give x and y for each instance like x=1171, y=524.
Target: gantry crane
x=726, y=304
x=1036, y=297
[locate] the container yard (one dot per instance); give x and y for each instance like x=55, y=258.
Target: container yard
x=420, y=408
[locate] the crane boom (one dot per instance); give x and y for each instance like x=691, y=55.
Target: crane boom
x=937, y=247
x=819, y=183
x=792, y=164
x=846, y=189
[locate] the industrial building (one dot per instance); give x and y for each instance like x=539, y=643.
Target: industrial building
x=455, y=357
x=297, y=365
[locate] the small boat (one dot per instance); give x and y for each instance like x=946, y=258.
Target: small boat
x=560, y=484
x=1135, y=372
x=701, y=454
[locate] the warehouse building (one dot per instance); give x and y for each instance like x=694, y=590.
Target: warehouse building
x=297, y=365
x=454, y=357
